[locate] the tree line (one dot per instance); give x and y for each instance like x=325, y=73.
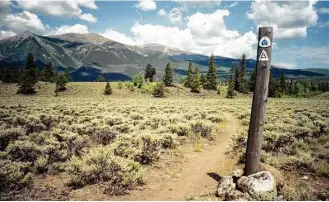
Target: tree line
x=278, y=87
x=29, y=75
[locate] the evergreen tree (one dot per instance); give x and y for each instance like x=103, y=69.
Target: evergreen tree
x=60, y=83
x=273, y=88
x=189, y=76
x=211, y=78
x=203, y=80
x=307, y=86
x=67, y=75
x=21, y=73
x=314, y=86
x=108, y=89
x=195, y=85
x=298, y=88
x=236, y=77
x=230, y=89
x=30, y=77
x=252, y=81
x=168, y=76
x=243, y=84
x=48, y=74
x=149, y=73
x=291, y=88
x=101, y=78
x=283, y=84
x=138, y=80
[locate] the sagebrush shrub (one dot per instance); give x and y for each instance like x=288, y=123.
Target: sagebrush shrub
x=99, y=165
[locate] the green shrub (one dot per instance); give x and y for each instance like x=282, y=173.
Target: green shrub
x=23, y=151
x=299, y=192
x=159, y=90
x=9, y=135
x=202, y=128
x=14, y=175
x=99, y=165
x=104, y=135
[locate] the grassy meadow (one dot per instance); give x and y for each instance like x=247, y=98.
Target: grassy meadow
x=112, y=140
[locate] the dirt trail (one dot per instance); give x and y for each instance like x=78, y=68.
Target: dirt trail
x=192, y=177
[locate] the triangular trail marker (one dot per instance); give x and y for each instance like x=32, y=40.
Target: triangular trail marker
x=263, y=56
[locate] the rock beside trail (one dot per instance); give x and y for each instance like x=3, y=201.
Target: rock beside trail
x=237, y=174
x=235, y=195
x=260, y=186
x=275, y=172
x=226, y=184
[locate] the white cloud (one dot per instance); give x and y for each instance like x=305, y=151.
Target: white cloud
x=175, y=15
x=233, y=4
x=119, y=37
x=146, y=5
x=21, y=22
x=5, y=34
x=88, y=17
x=324, y=10
x=204, y=34
x=162, y=12
x=286, y=65
x=77, y=28
x=66, y=9
x=200, y=3
x=289, y=19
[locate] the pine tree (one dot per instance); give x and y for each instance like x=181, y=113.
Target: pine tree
x=48, y=74
x=243, y=84
x=149, y=73
x=211, y=78
x=101, y=78
x=108, y=89
x=283, y=84
x=195, y=85
x=298, y=88
x=67, y=75
x=273, y=88
x=230, y=89
x=168, y=76
x=60, y=83
x=314, y=86
x=236, y=77
x=30, y=77
x=252, y=81
x=189, y=76
x=203, y=80
x=307, y=85
x=291, y=88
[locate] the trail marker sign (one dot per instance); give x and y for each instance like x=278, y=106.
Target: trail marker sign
x=265, y=42
x=263, y=56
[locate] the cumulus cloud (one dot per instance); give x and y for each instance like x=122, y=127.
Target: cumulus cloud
x=21, y=22
x=162, y=12
x=289, y=19
x=88, y=17
x=324, y=10
x=204, y=34
x=5, y=34
x=119, y=37
x=200, y=3
x=66, y=9
x=175, y=15
x=77, y=28
x=146, y=5
x=286, y=65
x=233, y=5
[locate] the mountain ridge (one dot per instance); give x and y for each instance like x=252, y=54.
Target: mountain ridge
x=95, y=53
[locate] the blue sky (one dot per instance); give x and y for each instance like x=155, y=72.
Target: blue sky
x=225, y=28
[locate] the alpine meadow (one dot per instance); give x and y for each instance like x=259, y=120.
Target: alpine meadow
x=164, y=100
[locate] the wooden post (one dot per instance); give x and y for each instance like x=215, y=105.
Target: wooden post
x=257, y=119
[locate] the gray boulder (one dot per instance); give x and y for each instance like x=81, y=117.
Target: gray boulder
x=225, y=184
x=260, y=186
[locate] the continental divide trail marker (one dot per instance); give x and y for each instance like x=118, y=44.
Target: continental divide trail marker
x=258, y=110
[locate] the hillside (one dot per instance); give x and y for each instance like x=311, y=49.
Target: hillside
x=87, y=55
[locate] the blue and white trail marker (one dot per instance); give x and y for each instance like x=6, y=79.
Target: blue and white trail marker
x=265, y=42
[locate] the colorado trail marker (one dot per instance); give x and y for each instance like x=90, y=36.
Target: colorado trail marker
x=263, y=56
x=265, y=42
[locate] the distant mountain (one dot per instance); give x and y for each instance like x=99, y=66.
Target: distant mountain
x=87, y=55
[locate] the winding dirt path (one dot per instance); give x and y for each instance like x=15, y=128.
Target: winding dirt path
x=198, y=173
